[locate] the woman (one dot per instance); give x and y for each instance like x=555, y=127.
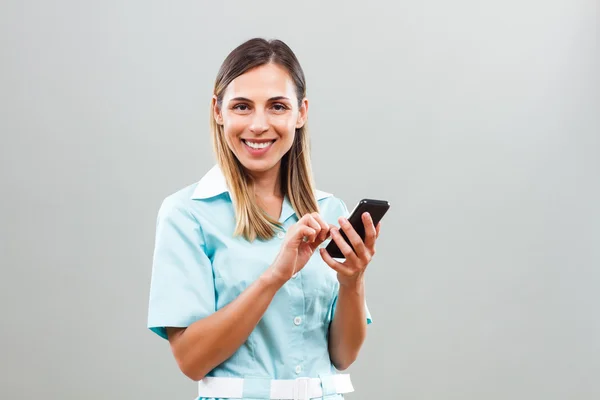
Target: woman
x=249, y=309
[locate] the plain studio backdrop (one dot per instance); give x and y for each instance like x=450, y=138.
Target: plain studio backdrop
x=478, y=122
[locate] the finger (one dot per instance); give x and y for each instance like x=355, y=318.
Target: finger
x=324, y=226
x=378, y=229
x=370, y=231
x=335, y=265
x=344, y=247
x=301, y=233
x=311, y=222
x=306, y=232
x=353, y=237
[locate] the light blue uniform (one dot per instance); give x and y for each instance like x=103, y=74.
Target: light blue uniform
x=199, y=268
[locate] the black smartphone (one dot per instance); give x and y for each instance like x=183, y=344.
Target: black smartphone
x=377, y=209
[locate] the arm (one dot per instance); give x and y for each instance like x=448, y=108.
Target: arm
x=208, y=342
x=348, y=329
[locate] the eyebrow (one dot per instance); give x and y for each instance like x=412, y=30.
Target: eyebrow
x=276, y=98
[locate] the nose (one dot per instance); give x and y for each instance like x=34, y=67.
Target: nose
x=259, y=123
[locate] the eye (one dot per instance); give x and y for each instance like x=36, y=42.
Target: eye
x=241, y=107
x=279, y=107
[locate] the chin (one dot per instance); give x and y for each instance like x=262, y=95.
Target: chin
x=259, y=165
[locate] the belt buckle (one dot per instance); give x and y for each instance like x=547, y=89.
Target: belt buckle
x=301, y=386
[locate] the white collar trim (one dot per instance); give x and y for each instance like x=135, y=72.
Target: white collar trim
x=213, y=183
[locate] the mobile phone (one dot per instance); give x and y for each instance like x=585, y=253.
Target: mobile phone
x=377, y=209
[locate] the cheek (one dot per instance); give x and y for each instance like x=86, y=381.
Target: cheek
x=233, y=127
x=284, y=126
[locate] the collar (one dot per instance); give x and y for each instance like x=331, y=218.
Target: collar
x=213, y=184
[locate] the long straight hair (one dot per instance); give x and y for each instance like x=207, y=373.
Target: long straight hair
x=296, y=171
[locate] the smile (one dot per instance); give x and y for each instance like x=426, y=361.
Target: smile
x=258, y=145
x=257, y=148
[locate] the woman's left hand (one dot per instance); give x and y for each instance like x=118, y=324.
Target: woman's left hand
x=350, y=272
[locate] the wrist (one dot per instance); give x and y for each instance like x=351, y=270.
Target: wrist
x=271, y=280
x=356, y=285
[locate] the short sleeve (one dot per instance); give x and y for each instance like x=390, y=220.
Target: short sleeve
x=345, y=213
x=182, y=287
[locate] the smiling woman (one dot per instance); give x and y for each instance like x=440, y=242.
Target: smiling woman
x=248, y=306
x=259, y=114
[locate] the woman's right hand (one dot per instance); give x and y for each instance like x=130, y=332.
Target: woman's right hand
x=296, y=250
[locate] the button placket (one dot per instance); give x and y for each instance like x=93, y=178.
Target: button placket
x=297, y=313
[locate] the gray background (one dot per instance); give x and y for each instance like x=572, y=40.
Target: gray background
x=478, y=121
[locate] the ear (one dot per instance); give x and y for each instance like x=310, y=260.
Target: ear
x=217, y=114
x=302, y=114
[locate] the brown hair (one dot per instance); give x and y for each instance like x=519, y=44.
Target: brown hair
x=296, y=171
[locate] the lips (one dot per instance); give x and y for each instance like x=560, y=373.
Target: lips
x=258, y=144
x=258, y=147
x=258, y=140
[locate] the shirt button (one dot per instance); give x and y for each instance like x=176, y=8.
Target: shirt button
x=297, y=320
x=281, y=235
x=298, y=369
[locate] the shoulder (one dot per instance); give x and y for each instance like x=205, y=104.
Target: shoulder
x=332, y=207
x=179, y=202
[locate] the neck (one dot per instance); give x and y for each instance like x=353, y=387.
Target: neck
x=267, y=183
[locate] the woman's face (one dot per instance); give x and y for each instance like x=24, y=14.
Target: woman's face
x=259, y=115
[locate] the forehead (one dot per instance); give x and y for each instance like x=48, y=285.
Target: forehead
x=262, y=82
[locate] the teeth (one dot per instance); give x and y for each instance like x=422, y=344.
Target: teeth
x=258, y=145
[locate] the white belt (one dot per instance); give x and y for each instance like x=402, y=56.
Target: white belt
x=285, y=389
